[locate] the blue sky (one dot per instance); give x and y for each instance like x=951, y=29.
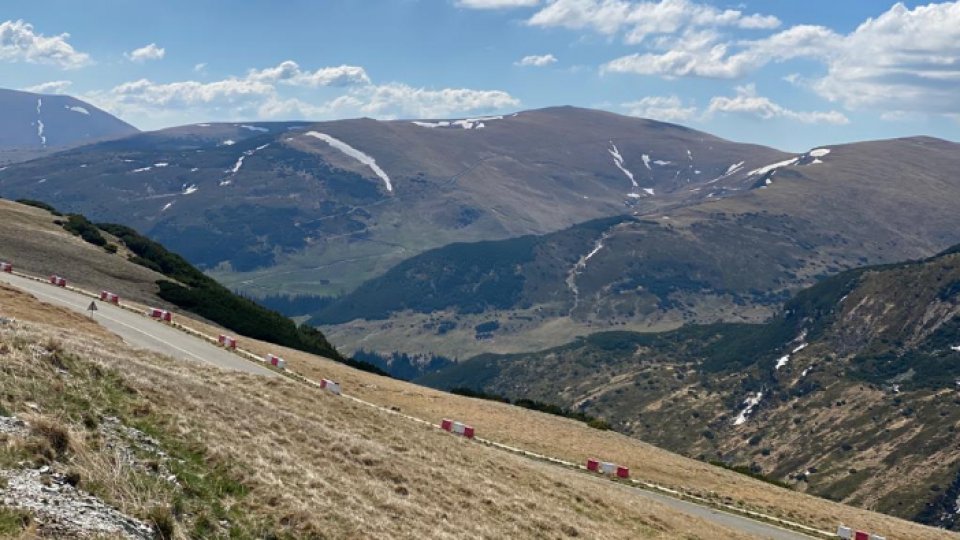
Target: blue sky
x=787, y=74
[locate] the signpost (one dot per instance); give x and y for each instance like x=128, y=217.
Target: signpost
x=91, y=308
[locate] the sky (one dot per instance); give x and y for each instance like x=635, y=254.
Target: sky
x=793, y=75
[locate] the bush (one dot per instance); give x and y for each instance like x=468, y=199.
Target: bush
x=534, y=405
x=38, y=204
x=81, y=226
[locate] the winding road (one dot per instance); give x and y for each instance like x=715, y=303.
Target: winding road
x=137, y=330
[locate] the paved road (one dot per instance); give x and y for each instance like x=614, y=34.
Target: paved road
x=138, y=330
x=146, y=333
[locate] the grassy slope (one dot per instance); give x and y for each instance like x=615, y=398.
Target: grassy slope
x=277, y=458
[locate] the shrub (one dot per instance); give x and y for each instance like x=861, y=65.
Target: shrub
x=38, y=204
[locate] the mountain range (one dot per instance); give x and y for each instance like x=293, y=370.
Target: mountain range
x=38, y=124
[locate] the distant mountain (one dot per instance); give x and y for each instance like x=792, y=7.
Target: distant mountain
x=851, y=392
x=735, y=259
x=34, y=124
x=321, y=208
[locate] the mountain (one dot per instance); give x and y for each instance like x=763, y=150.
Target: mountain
x=850, y=392
x=321, y=208
x=733, y=259
x=35, y=124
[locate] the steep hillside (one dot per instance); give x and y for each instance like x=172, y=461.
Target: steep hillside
x=734, y=259
x=101, y=440
x=39, y=240
x=35, y=124
x=321, y=208
x=850, y=393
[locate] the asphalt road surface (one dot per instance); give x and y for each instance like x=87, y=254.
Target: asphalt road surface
x=137, y=330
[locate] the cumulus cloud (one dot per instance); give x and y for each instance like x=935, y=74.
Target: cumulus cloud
x=289, y=72
x=748, y=103
x=903, y=60
x=641, y=19
x=702, y=54
x=663, y=108
x=496, y=4
x=51, y=87
x=537, y=60
x=20, y=43
x=146, y=53
x=259, y=94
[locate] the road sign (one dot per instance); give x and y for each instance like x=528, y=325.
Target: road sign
x=92, y=307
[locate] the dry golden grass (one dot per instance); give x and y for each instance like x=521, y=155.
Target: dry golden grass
x=318, y=465
x=31, y=240
x=574, y=441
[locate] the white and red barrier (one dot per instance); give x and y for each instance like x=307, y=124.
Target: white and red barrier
x=846, y=533
x=161, y=314
x=605, y=467
x=58, y=281
x=6, y=267
x=275, y=361
x=332, y=386
x=458, y=428
x=227, y=341
x=107, y=296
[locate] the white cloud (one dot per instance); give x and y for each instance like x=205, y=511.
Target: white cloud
x=51, y=87
x=641, y=19
x=496, y=4
x=259, y=95
x=663, y=108
x=903, y=60
x=537, y=60
x=748, y=103
x=200, y=68
x=289, y=72
x=395, y=100
x=145, y=53
x=20, y=43
x=700, y=54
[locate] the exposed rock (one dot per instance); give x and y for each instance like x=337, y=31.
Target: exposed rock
x=61, y=511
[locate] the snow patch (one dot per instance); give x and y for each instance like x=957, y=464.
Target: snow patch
x=255, y=128
x=661, y=162
x=649, y=191
x=190, y=189
x=749, y=405
x=203, y=125
x=161, y=164
x=43, y=139
x=782, y=361
x=773, y=166
x=141, y=169
x=77, y=109
x=228, y=142
x=955, y=348
x=466, y=123
x=799, y=348
x=646, y=161
x=166, y=207
x=354, y=153
x=618, y=161
x=819, y=152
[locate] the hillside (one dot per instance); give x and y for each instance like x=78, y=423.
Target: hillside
x=40, y=240
x=36, y=124
x=298, y=208
x=734, y=259
x=849, y=393
x=149, y=448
